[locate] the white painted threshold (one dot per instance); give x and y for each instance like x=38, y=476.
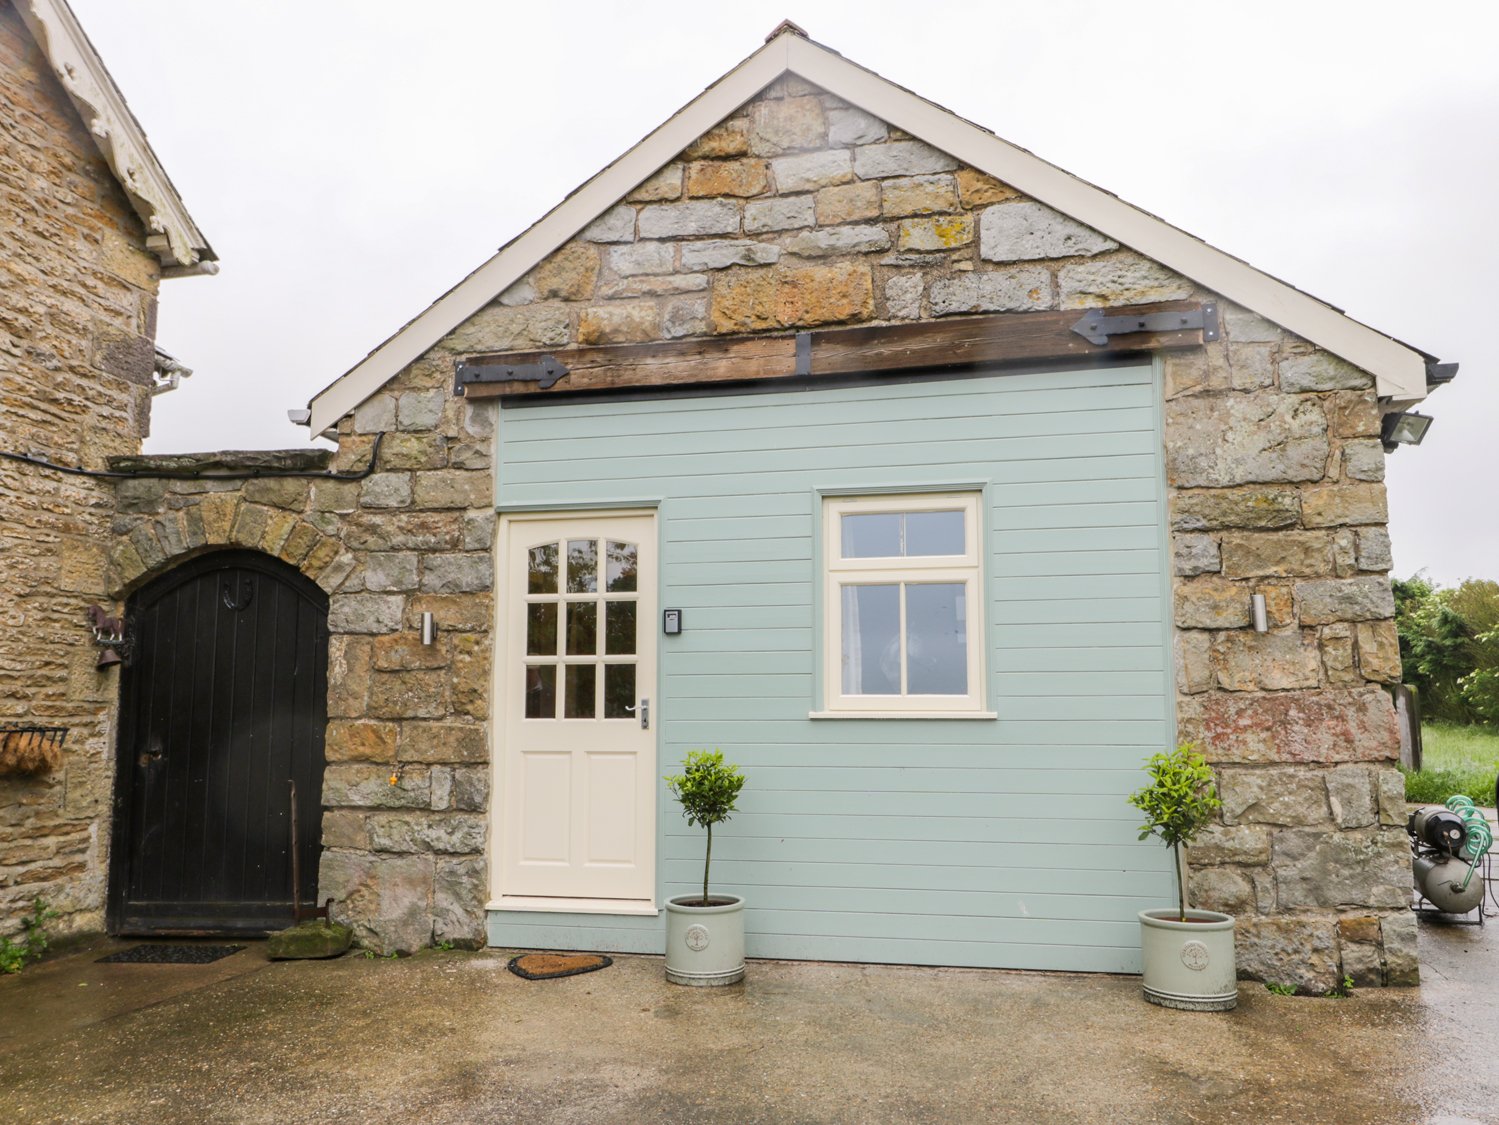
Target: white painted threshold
x=543, y=905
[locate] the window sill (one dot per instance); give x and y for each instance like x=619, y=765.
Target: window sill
x=970, y=715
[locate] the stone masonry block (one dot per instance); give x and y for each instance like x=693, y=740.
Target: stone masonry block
x=1342, y=869
x=632, y=323
x=1262, y=554
x=1195, y=554
x=1278, y=796
x=498, y=329
x=838, y=240
x=846, y=203
x=763, y=216
x=1352, y=797
x=727, y=138
x=812, y=170
x=1329, y=725
x=615, y=225
x=945, y=233
x=1325, y=600
x=1340, y=504
x=1119, y=279
x=1220, y=843
x=364, y=613
x=360, y=742
x=643, y=258
x=665, y=184
x=1218, y=441
x=727, y=177
x=454, y=834
x=456, y=573
x=976, y=189
x=1244, y=660
x=1297, y=951
x=919, y=195
x=900, y=158
x=385, y=490
x=689, y=220
x=1320, y=372
x=1014, y=232
x=1211, y=603
x=716, y=254
x=1018, y=290
x=364, y=785
x=1249, y=508
x=903, y=296
x=787, y=125
x=850, y=126
x=1379, y=651
x=443, y=742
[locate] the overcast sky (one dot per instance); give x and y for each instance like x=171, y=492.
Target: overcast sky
x=350, y=161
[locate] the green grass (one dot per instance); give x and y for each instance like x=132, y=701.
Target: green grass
x=1455, y=760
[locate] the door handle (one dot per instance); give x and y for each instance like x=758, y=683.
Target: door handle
x=645, y=713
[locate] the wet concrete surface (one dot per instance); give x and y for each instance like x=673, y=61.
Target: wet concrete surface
x=453, y=1037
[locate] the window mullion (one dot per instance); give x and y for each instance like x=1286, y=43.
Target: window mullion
x=902, y=638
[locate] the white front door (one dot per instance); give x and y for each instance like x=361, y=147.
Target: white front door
x=577, y=761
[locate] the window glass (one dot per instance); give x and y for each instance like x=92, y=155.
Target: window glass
x=541, y=629
x=582, y=628
x=871, y=640
x=934, y=533
x=871, y=536
x=541, y=691
x=619, y=691
x=582, y=566
x=541, y=572
x=581, y=679
x=620, y=567
x=936, y=639
x=619, y=628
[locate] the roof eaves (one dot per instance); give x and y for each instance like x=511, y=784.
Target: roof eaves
x=171, y=233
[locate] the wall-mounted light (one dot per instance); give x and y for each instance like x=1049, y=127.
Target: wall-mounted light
x=1257, y=613
x=109, y=635
x=1403, y=429
x=429, y=628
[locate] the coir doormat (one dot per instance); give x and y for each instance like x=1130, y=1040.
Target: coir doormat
x=546, y=966
x=170, y=955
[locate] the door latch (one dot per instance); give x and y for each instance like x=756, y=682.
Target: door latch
x=645, y=714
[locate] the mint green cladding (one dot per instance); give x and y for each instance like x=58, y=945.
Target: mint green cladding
x=1003, y=842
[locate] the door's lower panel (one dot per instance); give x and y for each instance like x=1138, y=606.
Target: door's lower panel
x=592, y=933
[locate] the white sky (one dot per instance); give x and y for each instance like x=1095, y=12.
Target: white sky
x=350, y=160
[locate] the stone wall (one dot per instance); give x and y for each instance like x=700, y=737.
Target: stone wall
x=407, y=780
x=77, y=325
x=802, y=211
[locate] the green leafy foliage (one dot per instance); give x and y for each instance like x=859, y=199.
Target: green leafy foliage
x=1180, y=801
x=33, y=943
x=1455, y=760
x=706, y=789
x=1449, y=645
x=1341, y=990
x=1280, y=989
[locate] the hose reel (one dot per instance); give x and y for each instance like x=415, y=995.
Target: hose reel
x=1449, y=846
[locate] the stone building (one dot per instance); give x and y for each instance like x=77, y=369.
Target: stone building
x=89, y=225
x=813, y=297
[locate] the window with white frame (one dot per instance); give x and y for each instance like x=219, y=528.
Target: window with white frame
x=903, y=601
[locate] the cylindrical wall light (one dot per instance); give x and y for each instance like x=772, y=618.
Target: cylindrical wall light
x=429, y=628
x=1257, y=613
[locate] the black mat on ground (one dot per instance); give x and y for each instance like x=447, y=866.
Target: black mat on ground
x=170, y=955
x=547, y=966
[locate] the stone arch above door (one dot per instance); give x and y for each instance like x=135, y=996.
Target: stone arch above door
x=164, y=522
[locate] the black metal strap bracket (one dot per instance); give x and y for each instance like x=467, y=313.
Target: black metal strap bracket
x=544, y=373
x=1096, y=327
x=803, y=353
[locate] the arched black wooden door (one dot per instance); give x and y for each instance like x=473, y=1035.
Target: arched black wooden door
x=223, y=704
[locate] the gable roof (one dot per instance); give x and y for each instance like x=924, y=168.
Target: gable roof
x=171, y=233
x=1399, y=370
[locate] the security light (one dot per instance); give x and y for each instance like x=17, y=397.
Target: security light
x=1404, y=429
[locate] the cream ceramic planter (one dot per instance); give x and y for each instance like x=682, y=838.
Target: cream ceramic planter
x=1189, y=964
x=705, y=944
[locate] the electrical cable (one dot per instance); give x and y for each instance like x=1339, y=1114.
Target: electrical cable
x=200, y=474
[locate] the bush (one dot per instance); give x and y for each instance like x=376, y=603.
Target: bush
x=1449, y=645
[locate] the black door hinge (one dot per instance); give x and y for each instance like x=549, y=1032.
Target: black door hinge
x=1096, y=327
x=544, y=373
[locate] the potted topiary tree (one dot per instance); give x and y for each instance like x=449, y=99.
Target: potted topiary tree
x=705, y=933
x=1188, y=954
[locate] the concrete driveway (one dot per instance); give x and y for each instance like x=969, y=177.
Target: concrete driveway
x=453, y=1037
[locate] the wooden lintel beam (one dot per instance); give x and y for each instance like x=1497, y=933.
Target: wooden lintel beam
x=1005, y=338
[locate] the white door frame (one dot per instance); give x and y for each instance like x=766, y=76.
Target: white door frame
x=509, y=624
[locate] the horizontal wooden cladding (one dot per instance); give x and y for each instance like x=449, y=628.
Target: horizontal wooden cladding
x=1005, y=338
